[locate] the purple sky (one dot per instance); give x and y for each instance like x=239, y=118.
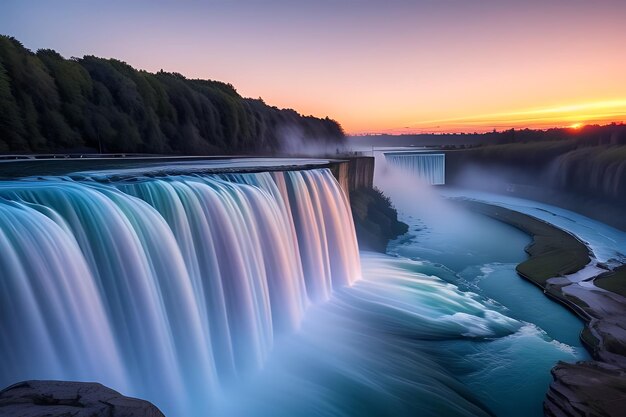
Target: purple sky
x=374, y=66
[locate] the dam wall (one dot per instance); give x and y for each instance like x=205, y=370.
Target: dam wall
x=354, y=173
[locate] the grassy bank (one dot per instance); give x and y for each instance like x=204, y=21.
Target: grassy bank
x=591, y=388
x=614, y=281
x=553, y=252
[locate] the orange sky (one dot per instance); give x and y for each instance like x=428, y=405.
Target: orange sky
x=397, y=66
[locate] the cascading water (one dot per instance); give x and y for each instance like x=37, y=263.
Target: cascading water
x=429, y=167
x=510, y=373
x=594, y=171
x=240, y=295
x=176, y=285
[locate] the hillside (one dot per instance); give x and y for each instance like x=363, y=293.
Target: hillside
x=585, y=171
x=52, y=104
x=591, y=165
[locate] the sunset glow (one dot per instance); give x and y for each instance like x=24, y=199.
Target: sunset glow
x=602, y=112
x=392, y=67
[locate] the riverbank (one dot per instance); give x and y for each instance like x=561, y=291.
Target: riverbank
x=566, y=270
x=375, y=219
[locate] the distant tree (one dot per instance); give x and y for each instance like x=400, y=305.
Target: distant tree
x=49, y=103
x=12, y=132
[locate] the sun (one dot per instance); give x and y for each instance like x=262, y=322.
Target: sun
x=576, y=126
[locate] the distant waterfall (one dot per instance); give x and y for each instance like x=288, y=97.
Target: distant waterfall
x=430, y=167
x=593, y=171
x=174, y=285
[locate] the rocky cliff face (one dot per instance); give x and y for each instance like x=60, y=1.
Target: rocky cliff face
x=588, y=179
x=375, y=218
x=65, y=399
x=600, y=172
x=591, y=171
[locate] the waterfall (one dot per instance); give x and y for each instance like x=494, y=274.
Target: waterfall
x=178, y=284
x=429, y=167
x=599, y=172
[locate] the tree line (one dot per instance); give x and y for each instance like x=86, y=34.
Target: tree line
x=589, y=135
x=52, y=104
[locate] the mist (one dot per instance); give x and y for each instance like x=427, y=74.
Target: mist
x=420, y=203
x=553, y=184
x=294, y=141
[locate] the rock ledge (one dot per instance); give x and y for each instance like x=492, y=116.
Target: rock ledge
x=586, y=389
x=70, y=399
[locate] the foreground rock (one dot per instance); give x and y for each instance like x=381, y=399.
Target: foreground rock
x=70, y=399
x=586, y=389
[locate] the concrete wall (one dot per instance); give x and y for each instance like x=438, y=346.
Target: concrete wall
x=354, y=173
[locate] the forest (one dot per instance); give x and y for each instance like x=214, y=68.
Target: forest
x=588, y=135
x=50, y=104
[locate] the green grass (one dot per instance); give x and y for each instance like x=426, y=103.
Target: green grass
x=552, y=253
x=614, y=281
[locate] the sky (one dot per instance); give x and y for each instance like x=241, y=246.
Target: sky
x=392, y=66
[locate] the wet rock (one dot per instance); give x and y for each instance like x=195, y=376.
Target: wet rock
x=589, y=389
x=70, y=399
x=375, y=219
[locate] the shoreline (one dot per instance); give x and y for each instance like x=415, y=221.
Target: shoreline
x=565, y=269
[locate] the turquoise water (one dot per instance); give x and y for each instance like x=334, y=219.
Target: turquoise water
x=244, y=295
x=479, y=255
x=516, y=369
x=442, y=326
x=607, y=243
x=483, y=264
